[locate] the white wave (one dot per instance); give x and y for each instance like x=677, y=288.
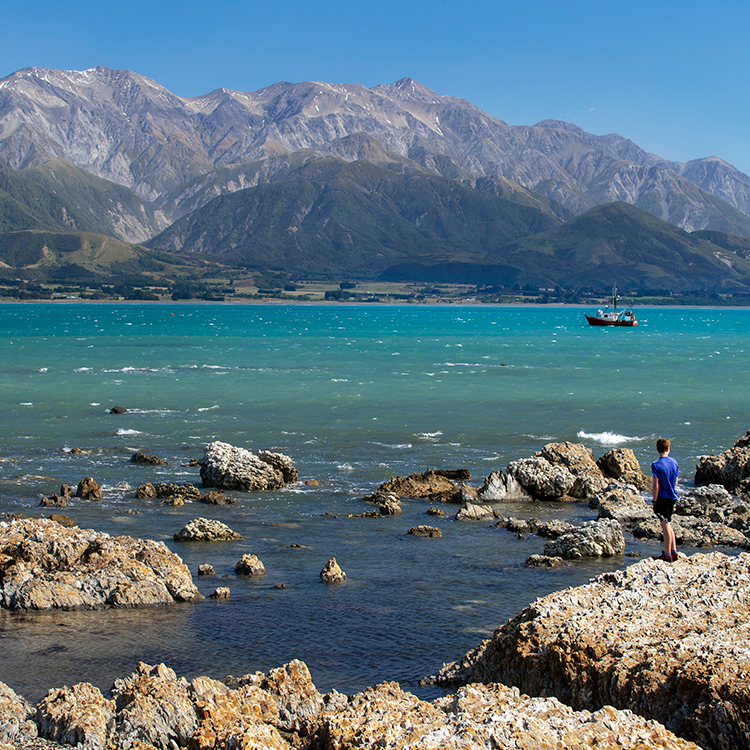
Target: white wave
x=607, y=438
x=139, y=369
x=94, y=403
x=431, y=437
x=345, y=467
x=42, y=369
x=82, y=369
x=26, y=403
x=397, y=446
x=209, y=408
x=123, y=431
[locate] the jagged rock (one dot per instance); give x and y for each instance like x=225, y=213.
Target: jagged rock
x=729, y=468
x=144, y=458
x=430, y=531
x=76, y=452
x=118, y=410
x=429, y=486
x=65, y=491
x=62, y=519
x=206, y=570
x=471, y=512
x=78, y=715
x=481, y=717
x=502, y=487
x=216, y=498
x=388, y=503
x=456, y=474
x=592, y=539
x=622, y=502
x=703, y=501
x=89, y=489
x=221, y=592
x=223, y=465
x=53, y=501
x=250, y=565
x=544, y=561
x=170, y=489
x=48, y=566
x=694, y=532
x=154, y=706
x=435, y=512
x=291, y=689
x=546, y=529
x=621, y=464
x=206, y=530
x=332, y=573
x=146, y=491
x=587, y=486
x=541, y=479
x=16, y=717
x=575, y=457
x=281, y=463
x=666, y=640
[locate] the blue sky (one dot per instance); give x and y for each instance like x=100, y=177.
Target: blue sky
x=671, y=75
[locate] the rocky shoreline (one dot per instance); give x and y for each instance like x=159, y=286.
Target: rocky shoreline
x=651, y=656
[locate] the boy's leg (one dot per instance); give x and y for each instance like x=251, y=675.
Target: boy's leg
x=668, y=535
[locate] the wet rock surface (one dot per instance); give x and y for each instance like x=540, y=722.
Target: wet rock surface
x=666, y=640
x=332, y=573
x=228, y=467
x=44, y=565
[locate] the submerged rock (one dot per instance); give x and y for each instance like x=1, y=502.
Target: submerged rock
x=228, y=467
x=206, y=530
x=89, y=489
x=668, y=641
x=431, y=485
x=428, y=531
x=139, y=457
x=250, y=565
x=47, y=566
x=332, y=573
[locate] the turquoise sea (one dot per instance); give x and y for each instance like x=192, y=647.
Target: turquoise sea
x=355, y=395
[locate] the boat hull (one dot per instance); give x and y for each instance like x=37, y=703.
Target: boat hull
x=594, y=321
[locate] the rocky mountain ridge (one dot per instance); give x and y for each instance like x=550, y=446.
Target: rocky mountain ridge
x=128, y=129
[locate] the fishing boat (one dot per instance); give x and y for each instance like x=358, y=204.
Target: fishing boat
x=613, y=317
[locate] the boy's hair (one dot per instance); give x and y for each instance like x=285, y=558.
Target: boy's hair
x=662, y=445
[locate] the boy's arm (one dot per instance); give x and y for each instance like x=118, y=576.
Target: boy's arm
x=654, y=489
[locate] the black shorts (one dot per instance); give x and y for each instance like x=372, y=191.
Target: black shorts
x=664, y=507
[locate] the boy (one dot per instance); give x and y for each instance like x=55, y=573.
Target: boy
x=664, y=473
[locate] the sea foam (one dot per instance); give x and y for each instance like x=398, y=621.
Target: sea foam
x=607, y=438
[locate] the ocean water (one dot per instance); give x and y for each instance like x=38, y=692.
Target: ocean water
x=355, y=395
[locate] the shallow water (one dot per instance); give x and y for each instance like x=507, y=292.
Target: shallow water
x=355, y=395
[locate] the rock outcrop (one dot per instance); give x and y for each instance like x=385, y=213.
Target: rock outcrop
x=541, y=479
x=428, y=531
x=250, y=565
x=666, y=640
x=89, y=489
x=228, y=467
x=332, y=572
x=430, y=485
x=500, y=487
x=44, y=565
x=16, y=718
x=621, y=464
x=153, y=709
x=601, y=538
x=729, y=468
x=206, y=530
x=623, y=502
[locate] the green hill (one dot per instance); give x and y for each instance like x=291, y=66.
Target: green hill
x=612, y=243
x=333, y=216
x=106, y=207
x=26, y=205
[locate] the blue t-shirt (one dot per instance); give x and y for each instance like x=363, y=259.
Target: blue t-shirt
x=665, y=470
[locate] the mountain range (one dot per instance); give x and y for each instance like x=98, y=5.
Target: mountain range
x=314, y=177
